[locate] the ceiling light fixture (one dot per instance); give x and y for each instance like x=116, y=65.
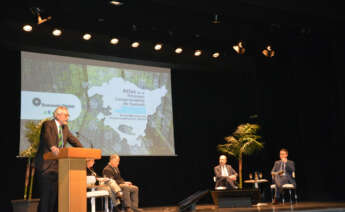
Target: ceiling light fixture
x=239, y=48
x=114, y=41
x=178, y=50
x=37, y=12
x=216, y=55
x=116, y=3
x=57, y=32
x=27, y=28
x=268, y=52
x=158, y=46
x=215, y=19
x=197, y=52
x=87, y=36
x=135, y=44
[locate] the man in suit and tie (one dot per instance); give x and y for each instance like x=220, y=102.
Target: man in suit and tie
x=282, y=172
x=54, y=135
x=225, y=174
x=130, y=191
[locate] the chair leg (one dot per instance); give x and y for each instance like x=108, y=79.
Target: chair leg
x=290, y=196
x=296, y=198
x=93, y=204
x=272, y=194
x=106, y=206
x=283, y=196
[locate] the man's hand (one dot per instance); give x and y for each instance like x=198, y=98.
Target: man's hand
x=232, y=177
x=128, y=183
x=55, y=150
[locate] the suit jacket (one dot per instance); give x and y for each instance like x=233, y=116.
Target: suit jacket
x=48, y=138
x=218, y=171
x=218, y=174
x=113, y=173
x=289, y=167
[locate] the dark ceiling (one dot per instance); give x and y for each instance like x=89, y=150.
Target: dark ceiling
x=185, y=22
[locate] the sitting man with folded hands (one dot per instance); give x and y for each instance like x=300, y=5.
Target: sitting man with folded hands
x=225, y=175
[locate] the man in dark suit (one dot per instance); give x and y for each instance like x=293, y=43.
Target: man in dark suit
x=130, y=191
x=225, y=174
x=54, y=135
x=282, y=172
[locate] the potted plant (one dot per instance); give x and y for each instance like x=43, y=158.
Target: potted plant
x=33, y=135
x=243, y=141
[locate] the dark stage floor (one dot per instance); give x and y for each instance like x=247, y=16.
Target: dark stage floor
x=300, y=206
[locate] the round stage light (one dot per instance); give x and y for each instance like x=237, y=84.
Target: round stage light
x=135, y=44
x=216, y=55
x=178, y=50
x=56, y=32
x=197, y=52
x=27, y=28
x=158, y=46
x=87, y=36
x=114, y=41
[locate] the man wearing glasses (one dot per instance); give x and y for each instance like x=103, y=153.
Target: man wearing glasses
x=54, y=136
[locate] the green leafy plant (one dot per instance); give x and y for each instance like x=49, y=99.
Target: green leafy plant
x=33, y=131
x=243, y=141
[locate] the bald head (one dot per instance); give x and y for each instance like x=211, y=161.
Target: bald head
x=222, y=160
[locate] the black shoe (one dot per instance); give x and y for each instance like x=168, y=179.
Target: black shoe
x=138, y=210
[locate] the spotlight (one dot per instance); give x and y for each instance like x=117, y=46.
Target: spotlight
x=215, y=19
x=268, y=52
x=56, y=32
x=216, y=55
x=158, y=46
x=38, y=14
x=239, y=48
x=197, y=52
x=135, y=44
x=178, y=50
x=116, y=3
x=87, y=36
x=27, y=28
x=114, y=41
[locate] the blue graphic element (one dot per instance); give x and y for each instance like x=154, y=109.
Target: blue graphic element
x=131, y=110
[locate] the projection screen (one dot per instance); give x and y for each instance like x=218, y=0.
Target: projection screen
x=116, y=107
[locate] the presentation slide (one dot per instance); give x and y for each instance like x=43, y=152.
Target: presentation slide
x=116, y=107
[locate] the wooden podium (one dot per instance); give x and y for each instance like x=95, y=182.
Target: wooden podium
x=72, y=177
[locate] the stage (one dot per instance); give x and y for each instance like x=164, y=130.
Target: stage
x=300, y=206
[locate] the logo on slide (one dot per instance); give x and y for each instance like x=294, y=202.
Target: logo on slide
x=36, y=101
x=40, y=105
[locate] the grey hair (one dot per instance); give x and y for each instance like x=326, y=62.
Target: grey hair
x=113, y=156
x=59, y=110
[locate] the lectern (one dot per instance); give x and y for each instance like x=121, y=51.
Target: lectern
x=72, y=176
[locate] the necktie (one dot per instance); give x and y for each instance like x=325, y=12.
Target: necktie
x=60, y=145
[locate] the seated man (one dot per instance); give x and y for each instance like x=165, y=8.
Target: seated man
x=130, y=191
x=282, y=173
x=225, y=174
x=110, y=185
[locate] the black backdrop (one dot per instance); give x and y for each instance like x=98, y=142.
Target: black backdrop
x=298, y=97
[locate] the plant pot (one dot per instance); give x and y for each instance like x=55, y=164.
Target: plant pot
x=22, y=205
